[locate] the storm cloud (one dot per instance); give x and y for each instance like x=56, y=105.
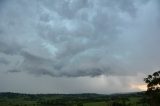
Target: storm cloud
x=79, y=37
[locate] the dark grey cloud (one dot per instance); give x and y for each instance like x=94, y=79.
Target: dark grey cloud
x=3, y=61
x=9, y=47
x=75, y=38
x=37, y=65
x=13, y=71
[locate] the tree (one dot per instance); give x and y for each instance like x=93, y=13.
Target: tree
x=153, y=88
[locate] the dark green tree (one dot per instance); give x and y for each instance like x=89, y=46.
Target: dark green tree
x=153, y=88
x=80, y=104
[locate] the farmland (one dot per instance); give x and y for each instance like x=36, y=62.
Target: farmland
x=16, y=99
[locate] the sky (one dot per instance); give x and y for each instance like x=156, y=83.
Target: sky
x=78, y=46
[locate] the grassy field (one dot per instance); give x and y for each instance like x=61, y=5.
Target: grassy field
x=95, y=104
x=15, y=99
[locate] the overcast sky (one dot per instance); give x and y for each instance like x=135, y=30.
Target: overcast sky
x=78, y=46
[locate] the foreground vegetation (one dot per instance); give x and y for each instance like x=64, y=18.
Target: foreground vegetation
x=15, y=99
x=153, y=88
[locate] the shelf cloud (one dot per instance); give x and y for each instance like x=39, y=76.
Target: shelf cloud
x=74, y=37
x=79, y=38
